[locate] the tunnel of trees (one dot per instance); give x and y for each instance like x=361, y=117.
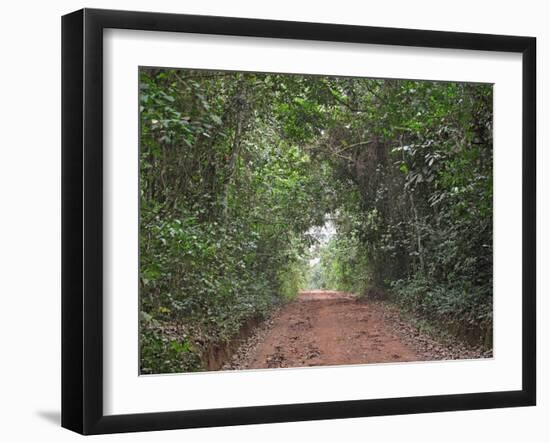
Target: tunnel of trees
x=237, y=169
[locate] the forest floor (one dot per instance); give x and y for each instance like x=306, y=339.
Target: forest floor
x=321, y=328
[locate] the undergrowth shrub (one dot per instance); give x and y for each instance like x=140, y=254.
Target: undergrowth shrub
x=461, y=309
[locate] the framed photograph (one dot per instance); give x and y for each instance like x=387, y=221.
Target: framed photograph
x=268, y=221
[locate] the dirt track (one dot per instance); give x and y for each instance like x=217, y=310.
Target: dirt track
x=328, y=328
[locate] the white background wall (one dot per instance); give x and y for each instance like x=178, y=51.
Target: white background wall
x=30, y=219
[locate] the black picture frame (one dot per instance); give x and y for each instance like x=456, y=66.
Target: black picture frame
x=82, y=215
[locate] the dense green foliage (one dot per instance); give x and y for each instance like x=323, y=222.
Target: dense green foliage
x=417, y=217
x=236, y=168
x=226, y=198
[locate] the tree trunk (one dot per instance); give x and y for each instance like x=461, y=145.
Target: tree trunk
x=231, y=166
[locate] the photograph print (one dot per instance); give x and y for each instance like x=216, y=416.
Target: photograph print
x=294, y=220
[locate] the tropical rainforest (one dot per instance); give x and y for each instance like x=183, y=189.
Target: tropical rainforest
x=237, y=170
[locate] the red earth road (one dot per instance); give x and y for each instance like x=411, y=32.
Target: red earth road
x=329, y=328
